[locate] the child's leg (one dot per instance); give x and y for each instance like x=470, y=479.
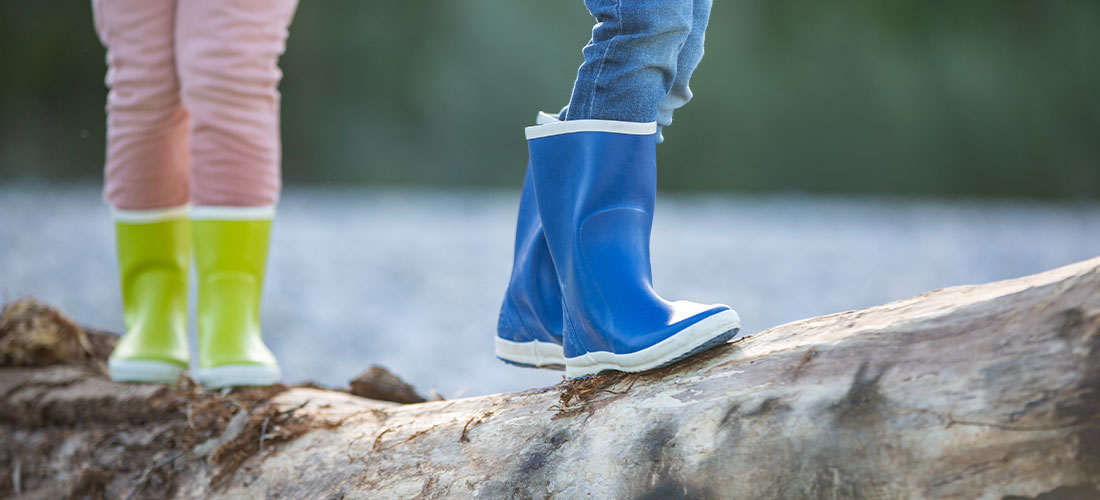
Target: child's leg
x=228, y=53
x=688, y=60
x=146, y=183
x=595, y=182
x=631, y=62
x=146, y=165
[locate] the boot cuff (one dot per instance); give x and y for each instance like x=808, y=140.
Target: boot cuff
x=266, y=212
x=569, y=127
x=151, y=215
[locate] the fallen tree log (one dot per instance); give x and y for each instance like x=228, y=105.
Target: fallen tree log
x=974, y=392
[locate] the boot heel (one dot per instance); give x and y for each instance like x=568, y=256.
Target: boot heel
x=238, y=376
x=532, y=354
x=143, y=370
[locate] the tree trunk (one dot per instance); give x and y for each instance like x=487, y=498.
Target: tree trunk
x=974, y=392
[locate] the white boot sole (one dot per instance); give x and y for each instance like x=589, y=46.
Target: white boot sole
x=714, y=329
x=238, y=376
x=144, y=370
x=534, y=354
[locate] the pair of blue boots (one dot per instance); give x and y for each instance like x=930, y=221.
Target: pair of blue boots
x=581, y=294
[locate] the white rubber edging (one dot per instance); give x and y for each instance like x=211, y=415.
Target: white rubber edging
x=569, y=127
x=534, y=353
x=237, y=376
x=659, y=354
x=266, y=212
x=150, y=216
x=543, y=118
x=144, y=370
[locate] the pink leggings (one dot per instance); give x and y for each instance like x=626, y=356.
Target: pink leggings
x=193, y=107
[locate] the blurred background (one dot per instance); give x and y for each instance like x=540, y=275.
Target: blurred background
x=837, y=156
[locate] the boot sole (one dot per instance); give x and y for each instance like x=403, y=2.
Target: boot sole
x=238, y=376
x=708, y=333
x=533, y=354
x=144, y=371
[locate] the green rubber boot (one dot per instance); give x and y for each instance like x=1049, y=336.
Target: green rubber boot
x=230, y=256
x=154, y=252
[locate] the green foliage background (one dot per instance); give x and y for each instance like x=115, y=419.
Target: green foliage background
x=991, y=98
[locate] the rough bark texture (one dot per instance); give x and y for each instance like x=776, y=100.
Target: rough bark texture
x=378, y=383
x=977, y=392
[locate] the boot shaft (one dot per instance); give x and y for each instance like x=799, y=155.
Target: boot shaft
x=154, y=256
x=596, y=186
x=230, y=263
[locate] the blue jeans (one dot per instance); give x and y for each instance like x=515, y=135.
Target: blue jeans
x=639, y=61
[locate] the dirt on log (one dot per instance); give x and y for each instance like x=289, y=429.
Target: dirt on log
x=974, y=392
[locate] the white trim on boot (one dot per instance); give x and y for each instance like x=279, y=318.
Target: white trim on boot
x=144, y=370
x=667, y=351
x=238, y=376
x=569, y=127
x=266, y=212
x=544, y=118
x=150, y=216
x=533, y=353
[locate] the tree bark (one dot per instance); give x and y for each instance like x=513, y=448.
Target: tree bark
x=973, y=392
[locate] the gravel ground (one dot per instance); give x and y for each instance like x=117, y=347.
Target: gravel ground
x=412, y=280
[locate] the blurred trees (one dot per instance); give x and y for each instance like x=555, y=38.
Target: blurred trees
x=987, y=97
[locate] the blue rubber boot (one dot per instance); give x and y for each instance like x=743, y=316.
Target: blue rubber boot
x=529, y=332
x=596, y=184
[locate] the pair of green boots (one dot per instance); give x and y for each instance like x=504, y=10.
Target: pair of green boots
x=154, y=255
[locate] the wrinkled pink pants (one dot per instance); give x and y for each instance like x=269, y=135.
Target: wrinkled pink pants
x=193, y=107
